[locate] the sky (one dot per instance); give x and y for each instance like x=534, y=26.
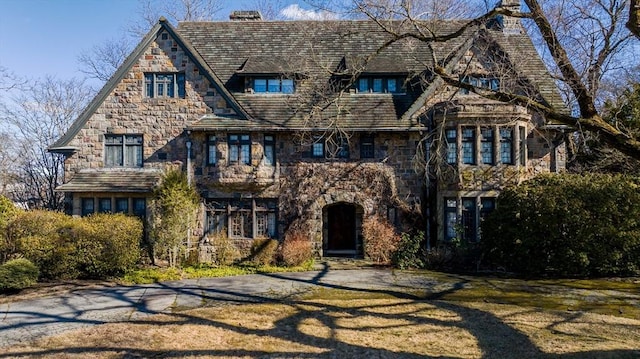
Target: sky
x=45, y=37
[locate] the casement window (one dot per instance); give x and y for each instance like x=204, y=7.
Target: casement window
x=104, y=205
x=380, y=84
x=506, y=145
x=486, y=145
x=450, y=218
x=523, y=146
x=317, y=148
x=468, y=145
x=367, y=149
x=212, y=150
x=269, y=148
x=243, y=218
x=239, y=148
x=87, y=206
x=469, y=220
x=123, y=150
x=486, y=82
x=487, y=205
x=158, y=85
x=122, y=205
x=452, y=146
x=273, y=85
x=140, y=207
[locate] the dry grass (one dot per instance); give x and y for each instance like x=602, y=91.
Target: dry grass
x=353, y=328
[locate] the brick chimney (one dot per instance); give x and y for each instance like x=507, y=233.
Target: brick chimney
x=245, y=15
x=510, y=25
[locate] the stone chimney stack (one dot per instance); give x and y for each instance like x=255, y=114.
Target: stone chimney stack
x=245, y=15
x=510, y=25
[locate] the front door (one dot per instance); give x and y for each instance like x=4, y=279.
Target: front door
x=341, y=229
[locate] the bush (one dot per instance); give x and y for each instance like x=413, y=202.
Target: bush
x=566, y=225
x=226, y=253
x=65, y=247
x=380, y=239
x=18, y=274
x=263, y=251
x=295, y=249
x=8, y=211
x=411, y=251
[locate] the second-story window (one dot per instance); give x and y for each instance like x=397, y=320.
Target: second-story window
x=506, y=145
x=240, y=148
x=486, y=145
x=212, y=150
x=164, y=85
x=452, y=146
x=273, y=85
x=486, y=82
x=468, y=146
x=269, y=150
x=123, y=150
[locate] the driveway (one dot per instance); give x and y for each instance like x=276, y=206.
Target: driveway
x=27, y=320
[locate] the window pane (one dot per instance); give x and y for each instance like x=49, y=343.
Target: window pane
x=377, y=85
x=104, y=205
x=452, y=146
x=523, y=146
x=269, y=155
x=273, y=85
x=469, y=219
x=113, y=156
x=363, y=85
x=451, y=221
x=140, y=207
x=260, y=85
x=87, y=206
x=181, y=88
x=468, y=146
x=391, y=85
x=318, y=149
x=487, y=146
x=233, y=153
x=506, y=146
x=122, y=205
x=287, y=86
x=212, y=151
x=246, y=154
x=148, y=80
x=366, y=147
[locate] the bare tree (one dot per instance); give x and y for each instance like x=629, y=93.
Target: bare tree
x=37, y=117
x=103, y=60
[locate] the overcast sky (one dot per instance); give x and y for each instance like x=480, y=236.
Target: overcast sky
x=45, y=37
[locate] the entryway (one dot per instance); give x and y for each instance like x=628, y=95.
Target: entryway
x=342, y=230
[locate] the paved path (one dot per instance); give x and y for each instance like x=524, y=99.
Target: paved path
x=32, y=319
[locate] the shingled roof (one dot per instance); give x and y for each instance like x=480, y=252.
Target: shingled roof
x=129, y=181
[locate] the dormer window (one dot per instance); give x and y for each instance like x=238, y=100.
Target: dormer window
x=486, y=82
x=273, y=85
x=379, y=84
x=167, y=85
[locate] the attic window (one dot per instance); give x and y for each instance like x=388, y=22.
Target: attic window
x=273, y=85
x=158, y=85
x=485, y=82
x=379, y=84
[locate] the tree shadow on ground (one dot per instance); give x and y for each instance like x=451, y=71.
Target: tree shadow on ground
x=493, y=336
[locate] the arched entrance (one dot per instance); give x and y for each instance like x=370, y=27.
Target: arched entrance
x=342, y=230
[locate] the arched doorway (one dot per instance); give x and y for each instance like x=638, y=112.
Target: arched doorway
x=342, y=230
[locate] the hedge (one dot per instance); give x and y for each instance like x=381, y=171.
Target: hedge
x=566, y=225
x=17, y=274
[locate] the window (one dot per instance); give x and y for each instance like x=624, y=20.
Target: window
x=452, y=146
x=317, y=149
x=487, y=205
x=122, y=205
x=87, y=206
x=342, y=150
x=243, y=218
x=240, y=149
x=490, y=83
x=104, y=205
x=123, y=150
x=468, y=145
x=506, y=145
x=273, y=85
x=378, y=84
x=486, y=146
x=140, y=207
x=450, y=218
x=366, y=146
x=212, y=150
x=269, y=150
x=469, y=215
x=164, y=85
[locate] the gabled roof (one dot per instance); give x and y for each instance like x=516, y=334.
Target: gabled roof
x=61, y=145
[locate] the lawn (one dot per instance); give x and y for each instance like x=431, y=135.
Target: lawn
x=483, y=317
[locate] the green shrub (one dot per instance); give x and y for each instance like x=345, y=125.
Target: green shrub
x=110, y=245
x=18, y=274
x=295, y=249
x=566, y=225
x=263, y=251
x=411, y=251
x=43, y=238
x=226, y=252
x=8, y=211
x=380, y=239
